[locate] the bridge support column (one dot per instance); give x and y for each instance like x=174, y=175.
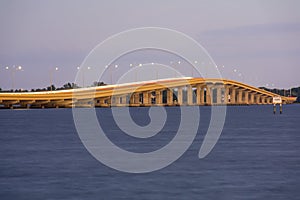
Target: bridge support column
x=219, y=95
x=226, y=95
x=146, y=98
x=158, y=97
x=189, y=95
x=179, y=96
x=251, y=98
x=263, y=100
x=269, y=100
x=117, y=100
x=123, y=100
x=170, y=97
x=258, y=99
x=131, y=99
x=198, y=93
x=240, y=96
x=134, y=99
x=137, y=98
x=246, y=99
x=233, y=96
x=202, y=96
x=209, y=95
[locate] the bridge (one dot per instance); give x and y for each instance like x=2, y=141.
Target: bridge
x=164, y=92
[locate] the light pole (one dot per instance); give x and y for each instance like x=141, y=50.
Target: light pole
x=13, y=70
x=51, y=74
x=83, y=76
x=175, y=74
x=78, y=68
x=156, y=70
x=135, y=74
x=132, y=65
x=116, y=66
x=196, y=62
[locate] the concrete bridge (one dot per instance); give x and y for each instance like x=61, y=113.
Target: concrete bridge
x=164, y=92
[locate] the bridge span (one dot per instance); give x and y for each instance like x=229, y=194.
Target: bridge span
x=164, y=92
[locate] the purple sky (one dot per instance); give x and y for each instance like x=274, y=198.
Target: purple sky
x=258, y=42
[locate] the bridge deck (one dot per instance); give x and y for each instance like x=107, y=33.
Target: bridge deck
x=189, y=91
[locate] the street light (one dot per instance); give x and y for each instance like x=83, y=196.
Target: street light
x=111, y=74
x=175, y=73
x=13, y=70
x=133, y=65
x=136, y=72
x=78, y=68
x=51, y=74
x=83, y=75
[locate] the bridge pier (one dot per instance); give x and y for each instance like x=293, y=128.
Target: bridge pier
x=170, y=101
x=240, y=97
x=226, y=95
x=190, y=95
x=252, y=98
x=134, y=99
x=219, y=95
x=158, y=97
x=146, y=98
x=258, y=99
x=246, y=99
x=198, y=94
x=124, y=100
x=208, y=95
x=116, y=100
x=264, y=100
x=233, y=96
x=179, y=96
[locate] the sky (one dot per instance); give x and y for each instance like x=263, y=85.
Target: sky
x=255, y=42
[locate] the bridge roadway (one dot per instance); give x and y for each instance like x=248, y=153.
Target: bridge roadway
x=164, y=92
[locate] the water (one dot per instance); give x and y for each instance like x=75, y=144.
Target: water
x=257, y=157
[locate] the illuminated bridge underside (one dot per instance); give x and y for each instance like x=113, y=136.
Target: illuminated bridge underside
x=168, y=92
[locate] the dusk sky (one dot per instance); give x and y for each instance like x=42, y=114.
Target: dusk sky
x=257, y=41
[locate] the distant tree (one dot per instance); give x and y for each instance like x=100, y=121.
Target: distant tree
x=74, y=85
x=67, y=86
x=49, y=88
x=96, y=83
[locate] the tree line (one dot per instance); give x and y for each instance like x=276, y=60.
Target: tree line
x=66, y=86
x=293, y=92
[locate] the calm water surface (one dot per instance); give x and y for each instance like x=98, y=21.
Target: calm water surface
x=257, y=157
